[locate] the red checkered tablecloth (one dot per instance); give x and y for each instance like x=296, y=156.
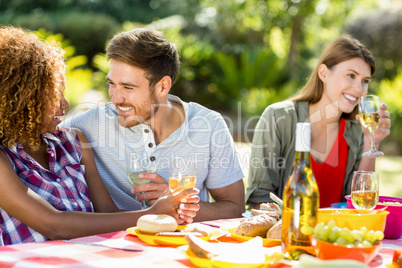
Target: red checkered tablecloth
x=67, y=254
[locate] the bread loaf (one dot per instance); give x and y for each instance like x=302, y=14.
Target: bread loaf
x=276, y=231
x=256, y=225
x=152, y=223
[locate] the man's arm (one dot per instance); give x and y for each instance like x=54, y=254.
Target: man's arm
x=229, y=203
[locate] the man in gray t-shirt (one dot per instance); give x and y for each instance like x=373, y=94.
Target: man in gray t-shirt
x=145, y=121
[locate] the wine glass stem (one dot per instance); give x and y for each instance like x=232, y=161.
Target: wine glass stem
x=373, y=149
x=144, y=204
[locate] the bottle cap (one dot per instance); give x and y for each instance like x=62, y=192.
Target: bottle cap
x=303, y=137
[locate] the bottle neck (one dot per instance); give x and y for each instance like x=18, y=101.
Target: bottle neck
x=303, y=157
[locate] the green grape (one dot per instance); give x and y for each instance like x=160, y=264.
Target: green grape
x=333, y=234
x=341, y=241
x=347, y=234
x=379, y=235
x=357, y=235
x=359, y=244
x=363, y=229
x=323, y=235
x=331, y=224
x=370, y=236
x=307, y=230
x=366, y=243
x=318, y=227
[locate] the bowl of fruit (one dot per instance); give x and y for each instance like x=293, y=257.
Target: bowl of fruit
x=354, y=219
x=333, y=242
x=393, y=228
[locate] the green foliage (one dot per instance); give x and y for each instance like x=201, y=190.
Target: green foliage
x=89, y=32
x=253, y=68
x=34, y=22
x=380, y=31
x=254, y=101
x=390, y=92
x=101, y=64
x=78, y=79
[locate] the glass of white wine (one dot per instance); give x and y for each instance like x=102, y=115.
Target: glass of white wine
x=370, y=119
x=365, y=189
x=182, y=174
x=136, y=166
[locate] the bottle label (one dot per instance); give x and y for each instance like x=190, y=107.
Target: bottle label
x=303, y=137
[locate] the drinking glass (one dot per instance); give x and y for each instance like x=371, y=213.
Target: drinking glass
x=370, y=119
x=365, y=189
x=182, y=174
x=136, y=166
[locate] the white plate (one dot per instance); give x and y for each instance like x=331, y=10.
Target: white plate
x=247, y=215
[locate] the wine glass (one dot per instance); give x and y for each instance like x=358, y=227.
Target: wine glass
x=136, y=166
x=182, y=174
x=370, y=119
x=365, y=189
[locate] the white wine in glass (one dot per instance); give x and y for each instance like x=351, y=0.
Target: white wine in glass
x=182, y=175
x=135, y=167
x=365, y=189
x=370, y=119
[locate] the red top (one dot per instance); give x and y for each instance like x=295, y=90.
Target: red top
x=331, y=173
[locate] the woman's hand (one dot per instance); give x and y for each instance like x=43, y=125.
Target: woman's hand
x=383, y=129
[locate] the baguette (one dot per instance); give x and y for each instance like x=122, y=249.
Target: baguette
x=256, y=226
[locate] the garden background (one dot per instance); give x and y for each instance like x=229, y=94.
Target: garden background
x=238, y=56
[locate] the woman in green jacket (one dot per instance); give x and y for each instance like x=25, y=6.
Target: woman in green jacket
x=329, y=101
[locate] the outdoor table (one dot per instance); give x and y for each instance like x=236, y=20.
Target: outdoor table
x=66, y=254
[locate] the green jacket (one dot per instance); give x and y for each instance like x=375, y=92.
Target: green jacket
x=273, y=150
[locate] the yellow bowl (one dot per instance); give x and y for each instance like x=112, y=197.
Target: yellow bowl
x=153, y=240
x=354, y=219
x=265, y=242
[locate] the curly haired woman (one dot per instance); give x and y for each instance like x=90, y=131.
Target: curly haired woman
x=49, y=184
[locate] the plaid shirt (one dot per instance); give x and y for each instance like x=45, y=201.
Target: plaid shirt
x=63, y=185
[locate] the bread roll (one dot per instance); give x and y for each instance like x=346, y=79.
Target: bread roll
x=156, y=223
x=276, y=231
x=256, y=225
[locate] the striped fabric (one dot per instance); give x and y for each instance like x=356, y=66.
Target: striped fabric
x=63, y=186
x=204, y=136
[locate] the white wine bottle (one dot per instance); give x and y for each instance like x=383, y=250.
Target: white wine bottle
x=300, y=199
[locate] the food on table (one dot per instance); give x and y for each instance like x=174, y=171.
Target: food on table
x=274, y=214
x=247, y=254
x=397, y=260
x=153, y=223
x=276, y=231
x=198, y=228
x=329, y=232
x=256, y=225
x=202, y=248
x=269, y=207
x=179, y=234
x=272, y=209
